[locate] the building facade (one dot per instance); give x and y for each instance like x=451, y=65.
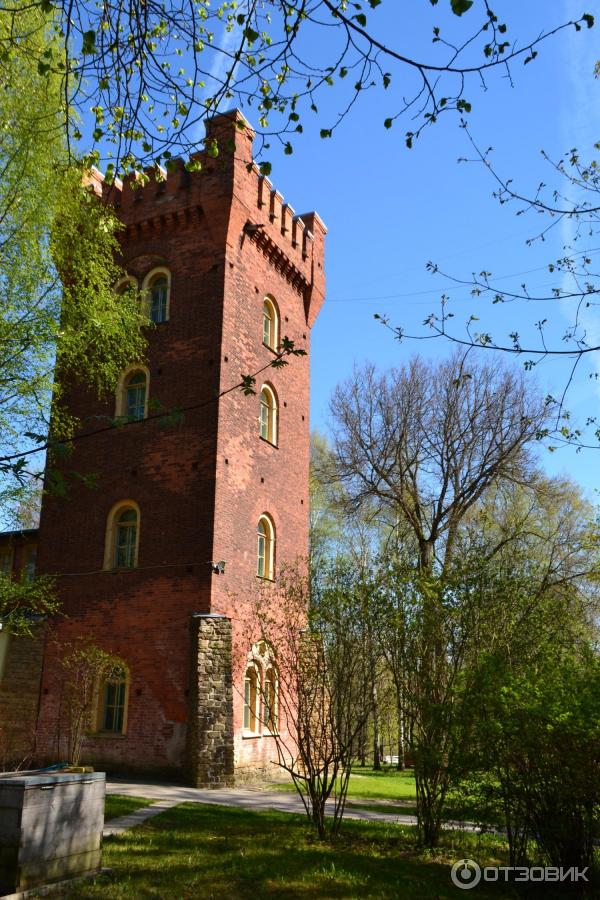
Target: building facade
x=202, y=493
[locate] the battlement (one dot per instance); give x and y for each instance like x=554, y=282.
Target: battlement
x=225, y=166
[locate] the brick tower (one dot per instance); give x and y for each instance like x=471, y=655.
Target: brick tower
x=228, y=269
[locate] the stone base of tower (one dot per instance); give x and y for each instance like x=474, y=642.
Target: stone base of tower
x=210, y=726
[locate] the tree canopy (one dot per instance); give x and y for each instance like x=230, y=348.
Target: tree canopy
x=58, y=310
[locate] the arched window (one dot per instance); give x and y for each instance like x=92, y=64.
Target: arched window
x=265, y=554
x=268, y=414
x=112, y=706
x=135, y=396
x=157, y=290
x=251, y=699
x=126, y=539
x=127, y=282
x=270, y=324
x=271, y=699
x=132, y=395
x=122, y=536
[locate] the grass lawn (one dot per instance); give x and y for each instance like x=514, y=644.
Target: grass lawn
x=194, y=851
x=388, y=784
x=117, y=805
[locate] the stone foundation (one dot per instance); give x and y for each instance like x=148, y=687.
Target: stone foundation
x=210, y=730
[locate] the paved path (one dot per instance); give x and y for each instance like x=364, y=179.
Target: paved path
x=122, y=823
x=283, y=801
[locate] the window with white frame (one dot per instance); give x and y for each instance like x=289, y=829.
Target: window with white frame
x=122, y=536
x=265, y=552
x=251, y=699
x=157, y=294
x=268, y=414
x=270, y=324
x=132, y=394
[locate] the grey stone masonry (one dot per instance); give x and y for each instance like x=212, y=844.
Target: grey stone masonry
x=50, y=828
x=210, y=731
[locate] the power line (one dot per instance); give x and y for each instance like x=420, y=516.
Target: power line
x=437, y=290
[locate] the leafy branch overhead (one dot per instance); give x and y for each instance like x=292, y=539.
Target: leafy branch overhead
x=151, y=72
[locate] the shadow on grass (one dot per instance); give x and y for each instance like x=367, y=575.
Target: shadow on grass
x=195, y=851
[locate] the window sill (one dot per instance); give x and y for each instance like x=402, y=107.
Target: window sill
x=267, y=441
x=272, y=734
x=250, y=735
x=266, y=578
x=118, y=735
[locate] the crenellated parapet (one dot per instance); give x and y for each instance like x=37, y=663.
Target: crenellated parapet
x=185, y=195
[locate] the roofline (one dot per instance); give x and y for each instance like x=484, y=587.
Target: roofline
x=20, y=531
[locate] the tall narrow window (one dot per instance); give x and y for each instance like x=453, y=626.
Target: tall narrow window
x=113, y=700
x=270, y=704
x=156, y=291
x=29, y=563
x=4, y=643
x=132, y=394
x=265, y=548
x=6, y=561
x=158, y=299
x=251, y=694
x=135, y=396
x=126, y=539
x=122, y=536
x=270, y=324
x=268, y=415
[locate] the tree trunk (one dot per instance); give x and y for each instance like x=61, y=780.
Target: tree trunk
x=376, y=734
x=401, y=763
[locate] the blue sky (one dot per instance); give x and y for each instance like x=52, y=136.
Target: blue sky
x=389, y=209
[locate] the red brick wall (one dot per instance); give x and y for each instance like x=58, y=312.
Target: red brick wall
x=201, y=485
x=19, y=697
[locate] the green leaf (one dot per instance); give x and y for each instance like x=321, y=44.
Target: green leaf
x=460, y=6
x=251, y=35
x=388, y=123
x=361, y=19
x=288, y=149
x=265, y=168
x=89, y=42
x=325, y=132
x=247, y=384
x=588, y=19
